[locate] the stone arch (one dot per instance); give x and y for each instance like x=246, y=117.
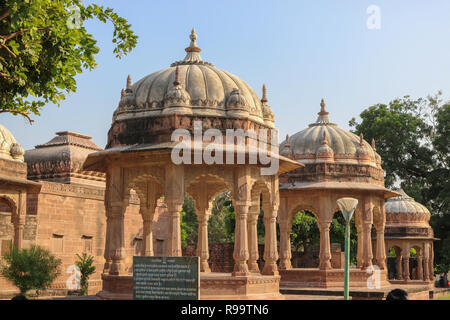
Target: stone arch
x=11, y=203
x=299, y=207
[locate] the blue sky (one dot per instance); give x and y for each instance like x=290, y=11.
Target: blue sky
x=302, y=51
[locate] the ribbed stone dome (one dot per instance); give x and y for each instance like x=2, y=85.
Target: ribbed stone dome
x=404, y=210
x=346, y=146
x=9, y=148
x=206, y=90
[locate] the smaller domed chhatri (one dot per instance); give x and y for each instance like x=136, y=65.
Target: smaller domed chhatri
x=407, y=227
x=337, y=164
x=405, y=211
x=9, y=148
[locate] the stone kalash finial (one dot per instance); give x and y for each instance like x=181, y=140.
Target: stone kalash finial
x=177, y=96
x=264, y=94
x=128, y=88
x=362, y=152
x=323, y=114
x=286, y=151
x=324, y=152
x=269, y=117
x=192, y=53
x=377, y=156
x=127, y=97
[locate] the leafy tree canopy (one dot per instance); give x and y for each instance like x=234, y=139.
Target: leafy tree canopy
x=44, y=45
x=413, y=137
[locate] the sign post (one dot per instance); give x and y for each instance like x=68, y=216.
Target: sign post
x=166, y=278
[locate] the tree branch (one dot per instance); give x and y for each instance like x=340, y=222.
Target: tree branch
x=8, y=49
x=5, y=15
x=17, y=33
x=24, y=114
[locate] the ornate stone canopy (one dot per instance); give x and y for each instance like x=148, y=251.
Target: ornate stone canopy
x=407, y=226
x=406, y=217
x=61, y=159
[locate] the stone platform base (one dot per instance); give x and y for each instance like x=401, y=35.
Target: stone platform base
x=213, y=286
x=333, y=278
x=223, y=286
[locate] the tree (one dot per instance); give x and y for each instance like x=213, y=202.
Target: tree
x=44, y=45
x=221, y=222
x=28, y=269
x=304, y=232
x=189, y=223
x=84, y=263
x=413, y=138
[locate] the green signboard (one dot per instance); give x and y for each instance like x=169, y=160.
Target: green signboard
x=166, y=278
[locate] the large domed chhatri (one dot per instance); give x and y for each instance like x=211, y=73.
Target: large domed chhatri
x=140, y=156
x=192, y=87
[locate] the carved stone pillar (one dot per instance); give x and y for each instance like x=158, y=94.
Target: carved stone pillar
x=419, y=266
x=406, y=255
x=240, y=253
x=431, y=262
x=360, y=242
x=202, y=240
x=252, y=230
x=399, y=262
x=325, y=250
x=173, y=248
x=174, y=198
x=367, y=232
x=19, y=222
x=18, y=232
x=381, y=251
x=285, y=245
x=117, y=239
x=147, y=218
x=380, y=244
x=270, y=245
x=107, y=254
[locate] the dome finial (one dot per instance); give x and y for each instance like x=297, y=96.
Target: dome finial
x=322, y=105
x=129, y=82
x=361, y=139
x=323, y=118
x=288, y=143
x=177, y=77
x=264, y=94
x=122, y=93
x=193, y=45
x=373, y=145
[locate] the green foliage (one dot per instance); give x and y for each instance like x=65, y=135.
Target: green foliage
x=304, y=231
x=413, y=138
x=44, y=45
x=84, y=263
x=189, y=223
x=337, y=235
x=221, y=222
x=28, y=269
